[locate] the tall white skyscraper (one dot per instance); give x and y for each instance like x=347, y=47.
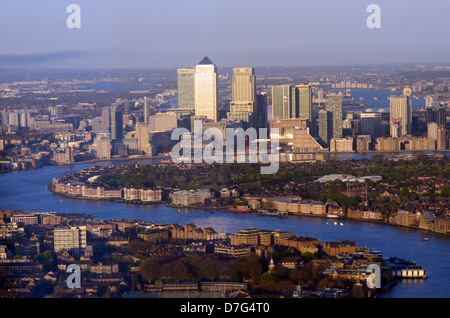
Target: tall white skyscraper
x=206, y=89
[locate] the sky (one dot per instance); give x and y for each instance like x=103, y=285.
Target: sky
x=232, y=33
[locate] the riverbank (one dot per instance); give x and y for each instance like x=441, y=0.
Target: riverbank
x=230, y=209
x=116, y=200
x=113, y=159
x=92, y=161
x=27, y=191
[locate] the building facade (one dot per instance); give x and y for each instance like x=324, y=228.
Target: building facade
x=206, y=90
x=401, y=114
x=71, y=239
x=333, y=104
x=243, y=91
x=186, y=88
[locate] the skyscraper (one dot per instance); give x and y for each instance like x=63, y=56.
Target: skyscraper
x=294, y=103
x=243, y=101
x=436, y=115
x=186, y=87
x=371, y=124
x=401, y=114
x=325, y=126
x=103, y=146
x=105, y=120
x=142, y=135
x=281, y=102
x=206, y=89
x=305, y=101
x=146, y=110
x=333, y=104
x=261, y=110
x=116, y=124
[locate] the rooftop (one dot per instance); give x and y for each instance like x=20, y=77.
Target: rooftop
x=205, y=61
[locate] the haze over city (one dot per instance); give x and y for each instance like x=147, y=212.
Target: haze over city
x=170, y=34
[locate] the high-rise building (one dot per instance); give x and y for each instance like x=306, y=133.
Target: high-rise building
x=437, y=126
x=441, y=143
x=13, y=119
x=59, y=111
x=186, y=87
x=281, y=102
x=436, y=115
x=163, y=121
x=371, y=124
x=261, y=110
x=206, y=89
x=116, y=124
x=294, y=103
x=333, y=104
x=71, y=239
x=304, y=102
x=401, y=114
x=105, y=120
x=325, y=126
x=243, y=100
x=24, y=119
x=104, y=148
x=143, y=140
x=428, y=101
x=146, y=110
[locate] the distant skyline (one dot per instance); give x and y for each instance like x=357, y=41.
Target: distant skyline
x=254, y=33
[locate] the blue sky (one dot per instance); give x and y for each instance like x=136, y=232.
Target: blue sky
x=175, y=33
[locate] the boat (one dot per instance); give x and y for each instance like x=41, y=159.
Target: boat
x=376, y=251
x=425, y=239
x=401, y=261
x=332, y=216
x=375, y=98
x=212, y=211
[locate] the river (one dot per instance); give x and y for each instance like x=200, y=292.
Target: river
x=27, y=191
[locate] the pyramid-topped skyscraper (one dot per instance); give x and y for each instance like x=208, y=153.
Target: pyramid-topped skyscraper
x=206, y=89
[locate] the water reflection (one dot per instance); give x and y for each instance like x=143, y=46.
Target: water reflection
x=27, y=190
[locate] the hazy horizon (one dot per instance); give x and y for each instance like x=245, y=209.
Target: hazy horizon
x=137, y=34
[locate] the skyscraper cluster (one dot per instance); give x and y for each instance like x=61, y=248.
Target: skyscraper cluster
x=292, y=102
x=198, y=90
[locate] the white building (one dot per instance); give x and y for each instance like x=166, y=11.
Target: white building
x=206, y=89
x=71, y=239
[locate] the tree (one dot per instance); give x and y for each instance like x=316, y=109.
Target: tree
x=150, y=270
x=250, y=267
